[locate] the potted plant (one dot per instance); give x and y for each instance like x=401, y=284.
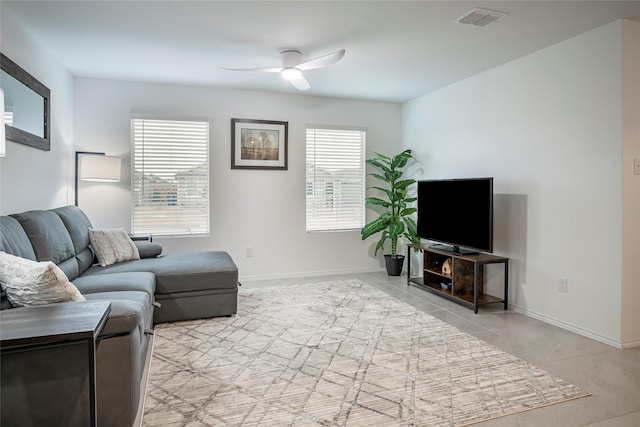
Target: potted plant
x=396, y=220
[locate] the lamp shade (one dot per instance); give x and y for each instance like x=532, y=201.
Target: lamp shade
x=97, y=167
x=3, y=140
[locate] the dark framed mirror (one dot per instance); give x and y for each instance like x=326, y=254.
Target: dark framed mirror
x=26, y=106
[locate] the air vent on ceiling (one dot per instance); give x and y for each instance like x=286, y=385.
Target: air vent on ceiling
x=480, y=17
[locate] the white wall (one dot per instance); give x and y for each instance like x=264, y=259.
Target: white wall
x=32, y=178
x=102, y=123
x=547, y=127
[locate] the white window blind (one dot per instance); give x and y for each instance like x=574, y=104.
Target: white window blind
x=170, y=177
x=335, y=179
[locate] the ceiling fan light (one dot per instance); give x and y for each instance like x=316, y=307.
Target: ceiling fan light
x=291, y=73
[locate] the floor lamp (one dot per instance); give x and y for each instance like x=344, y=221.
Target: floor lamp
x=95, y=166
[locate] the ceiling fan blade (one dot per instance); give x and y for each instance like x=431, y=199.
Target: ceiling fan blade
x=323, y=61
x=262, y=70
x=301, y=83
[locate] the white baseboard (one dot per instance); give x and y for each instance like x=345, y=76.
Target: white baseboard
x=630, y=344
x=309, y=274
x=570, y=327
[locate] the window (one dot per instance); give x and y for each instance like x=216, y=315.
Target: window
x=335, y=179
x=170, y=177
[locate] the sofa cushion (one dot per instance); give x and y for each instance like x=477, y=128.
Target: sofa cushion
x=182, y=272
x=113, y=245
x=133, y=281
x=77, y=224
x=69, y=267
x=14, y=240
x=28, y=282
x=4, y=301
x=84, y=259
x=48, y=235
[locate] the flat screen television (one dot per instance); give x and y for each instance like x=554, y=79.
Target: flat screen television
x=457, y=213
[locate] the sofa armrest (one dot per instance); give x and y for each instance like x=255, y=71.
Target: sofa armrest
x=148, y=249
x=124, y=316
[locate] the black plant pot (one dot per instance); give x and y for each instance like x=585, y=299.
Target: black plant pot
x=394, y=265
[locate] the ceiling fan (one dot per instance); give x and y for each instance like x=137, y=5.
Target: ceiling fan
x=292, y=67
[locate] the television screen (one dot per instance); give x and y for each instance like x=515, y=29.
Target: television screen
x=457, y=212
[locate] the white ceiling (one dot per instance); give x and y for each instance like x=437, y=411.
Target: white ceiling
x=396, y=50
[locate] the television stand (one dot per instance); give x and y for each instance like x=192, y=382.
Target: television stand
x=464, y=283
x=452, y=248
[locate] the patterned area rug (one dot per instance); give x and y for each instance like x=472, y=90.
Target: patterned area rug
x=337, y=353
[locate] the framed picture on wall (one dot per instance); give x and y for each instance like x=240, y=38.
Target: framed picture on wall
x=259, y=144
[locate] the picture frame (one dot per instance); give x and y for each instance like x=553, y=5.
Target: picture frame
x=32, y=99
x=259, y=144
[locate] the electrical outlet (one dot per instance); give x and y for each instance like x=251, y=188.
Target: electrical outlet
x=248, y=252
x=562, y=285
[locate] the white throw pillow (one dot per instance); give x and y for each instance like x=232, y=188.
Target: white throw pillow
x=29, y=282
x=113, y=245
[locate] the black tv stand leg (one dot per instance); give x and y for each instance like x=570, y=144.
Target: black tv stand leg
x=408, y=265
x=506, y=285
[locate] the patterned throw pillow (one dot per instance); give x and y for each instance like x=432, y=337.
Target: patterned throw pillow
x=27, y=282
x=113, y=245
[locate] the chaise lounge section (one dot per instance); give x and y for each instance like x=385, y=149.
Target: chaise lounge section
x=153, y=289
x=184, y=287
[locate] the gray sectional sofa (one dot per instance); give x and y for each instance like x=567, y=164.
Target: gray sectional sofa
x=142, y=292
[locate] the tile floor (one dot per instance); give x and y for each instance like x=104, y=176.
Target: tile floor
x=612, y=376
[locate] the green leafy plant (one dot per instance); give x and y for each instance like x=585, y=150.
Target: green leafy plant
x=396, y=220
